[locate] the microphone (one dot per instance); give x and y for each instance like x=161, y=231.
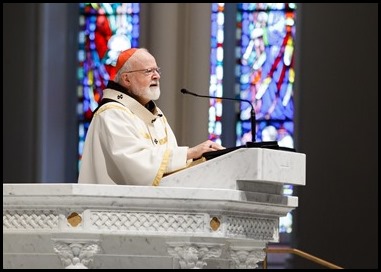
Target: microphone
x=252, y=112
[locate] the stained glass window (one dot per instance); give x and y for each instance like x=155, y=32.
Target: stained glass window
x=105, y=30
x=216, y=71
x=265, y=70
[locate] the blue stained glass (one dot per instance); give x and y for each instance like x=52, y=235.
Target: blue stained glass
x=266, y=33
x=216, y=71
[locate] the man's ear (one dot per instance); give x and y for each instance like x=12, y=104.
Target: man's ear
x=126, y=79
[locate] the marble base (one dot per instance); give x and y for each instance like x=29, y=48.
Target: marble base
x=115, y=226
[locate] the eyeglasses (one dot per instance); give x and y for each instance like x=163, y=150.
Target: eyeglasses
x=147, y=72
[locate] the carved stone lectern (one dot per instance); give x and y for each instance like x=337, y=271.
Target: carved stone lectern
x=217, y=214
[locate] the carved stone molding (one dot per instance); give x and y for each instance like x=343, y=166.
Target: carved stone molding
x=76, y=254
x=147, y=221
x=30, y=220
x=193, y=255
x=246, y=257
x=261, y=229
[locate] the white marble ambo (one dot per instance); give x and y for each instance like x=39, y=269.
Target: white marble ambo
x=218, y=214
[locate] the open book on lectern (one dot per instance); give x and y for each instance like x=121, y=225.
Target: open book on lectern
x=267, y=144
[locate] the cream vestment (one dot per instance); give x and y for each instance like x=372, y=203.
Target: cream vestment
x=127, y=144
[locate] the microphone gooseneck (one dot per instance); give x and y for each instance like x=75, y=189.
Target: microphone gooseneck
x=252, y=112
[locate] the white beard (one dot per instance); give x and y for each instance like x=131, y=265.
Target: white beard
x=148, y=94
x=153, y=93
